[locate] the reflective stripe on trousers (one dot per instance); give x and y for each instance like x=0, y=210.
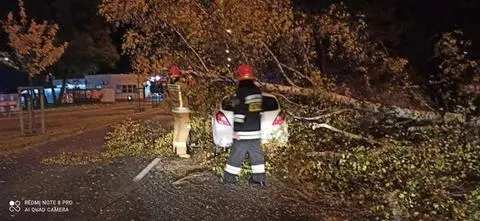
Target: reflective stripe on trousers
x=237, y=156
x=259, y=168
x=232, y=169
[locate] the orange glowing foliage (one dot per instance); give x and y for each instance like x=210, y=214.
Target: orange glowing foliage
x=33, y=46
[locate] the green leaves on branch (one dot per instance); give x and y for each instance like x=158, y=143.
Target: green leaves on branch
x=129, y=138
x=430, y=172
x=139, y=138
x=459, y=77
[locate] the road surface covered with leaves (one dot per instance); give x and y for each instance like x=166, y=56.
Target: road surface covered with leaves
x=105, y=191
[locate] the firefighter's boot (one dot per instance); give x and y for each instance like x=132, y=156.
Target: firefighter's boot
x=254, y=182
x=229, y=179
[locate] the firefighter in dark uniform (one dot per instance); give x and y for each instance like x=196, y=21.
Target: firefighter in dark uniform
x=172, y=90
x=246, y=127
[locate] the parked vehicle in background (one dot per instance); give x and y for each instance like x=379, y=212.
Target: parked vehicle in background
x=274, y=125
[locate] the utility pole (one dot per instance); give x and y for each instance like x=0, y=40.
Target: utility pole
x=139, y=106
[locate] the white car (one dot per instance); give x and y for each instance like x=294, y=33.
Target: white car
x=274, y=125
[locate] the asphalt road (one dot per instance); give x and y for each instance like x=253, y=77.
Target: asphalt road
x=106, y=191
x=55, y=117
x=64, y=121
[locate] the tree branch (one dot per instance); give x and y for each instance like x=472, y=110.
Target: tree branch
x=201, y=7
x=375, y=107
x=306, y=54
x=396, y=111
x=298, y=73
x=189, y=46
x=288, y=100
x=384, y=48
x=190, y=176
x=320, y=116
x=350, y=135
x=279, y=65
x=422, y=101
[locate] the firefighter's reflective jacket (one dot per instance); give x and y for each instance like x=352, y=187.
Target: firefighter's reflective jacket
x=247, y=111
x=175, y=86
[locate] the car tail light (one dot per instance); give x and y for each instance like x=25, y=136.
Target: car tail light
x=222, y=119
x=280, y=119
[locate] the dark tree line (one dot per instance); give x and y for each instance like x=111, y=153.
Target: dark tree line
x=91, y=49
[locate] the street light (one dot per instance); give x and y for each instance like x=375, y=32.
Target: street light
x=6, y=59
x=229, y=31
x=229, y=59
x=227, y=51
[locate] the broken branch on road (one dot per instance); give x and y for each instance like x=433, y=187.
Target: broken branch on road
x=348, y=134
x=197, y=173
x=318, y=117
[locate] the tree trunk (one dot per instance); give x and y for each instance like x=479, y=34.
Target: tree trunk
x=399, y=112
x=34, y=99
x=54, y=95
x=323, y=56
x=62, y=91
x=30, y=113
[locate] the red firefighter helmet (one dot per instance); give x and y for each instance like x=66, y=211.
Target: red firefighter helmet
x=244, y=72
x=175, y=71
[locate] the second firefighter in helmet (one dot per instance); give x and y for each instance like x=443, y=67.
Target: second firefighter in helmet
x=174, y=77
x=175, y=87
x=246, y=127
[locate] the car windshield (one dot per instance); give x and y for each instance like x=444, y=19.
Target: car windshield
x=269, y=103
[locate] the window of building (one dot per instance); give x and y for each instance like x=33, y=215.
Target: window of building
x=126, y=88
x=119, y=89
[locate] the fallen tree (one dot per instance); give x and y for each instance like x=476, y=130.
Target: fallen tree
x=398, y=112
x=273, y=32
